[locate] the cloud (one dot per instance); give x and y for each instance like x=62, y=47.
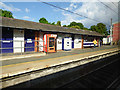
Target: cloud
x=33, y=19
x=9, y=7
x=26, y=17
x=94, y=10
x=71, y=6
x=27, y=10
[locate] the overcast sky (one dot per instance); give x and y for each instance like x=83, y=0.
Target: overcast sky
x=33, y=11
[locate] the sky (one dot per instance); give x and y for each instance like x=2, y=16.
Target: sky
x=33, y=11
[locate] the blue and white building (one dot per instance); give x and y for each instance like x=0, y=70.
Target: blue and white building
x=25, y=36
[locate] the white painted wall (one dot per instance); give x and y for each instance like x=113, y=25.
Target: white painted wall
x=67, y=43
x=77, y=41
x=105, y=40
x=18, y=43
x=41, y=42
x=59, y=43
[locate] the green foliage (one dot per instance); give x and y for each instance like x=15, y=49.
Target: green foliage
x=64, y=25
x=58, y=23
x=80, y=25
x=5, y=13
x=85, y=28
x=100, y=28
x=0, y=12
x=43, y=20
x=94, y=28
x=53, y=23
x=75, y=27
x=74, y=24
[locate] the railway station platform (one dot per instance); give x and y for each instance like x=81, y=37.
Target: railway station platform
x=17, y=66
x=15, y=71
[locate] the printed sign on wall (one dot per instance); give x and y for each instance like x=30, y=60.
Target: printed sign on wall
x=29, y=40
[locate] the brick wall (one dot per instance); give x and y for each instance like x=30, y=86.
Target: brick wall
x=116, y=32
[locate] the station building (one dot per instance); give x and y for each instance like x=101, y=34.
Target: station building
x=25, y=36
x=116, y=32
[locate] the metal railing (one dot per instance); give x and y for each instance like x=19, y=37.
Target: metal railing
x=22, y=46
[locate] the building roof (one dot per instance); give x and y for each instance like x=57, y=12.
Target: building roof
x=116, y=23
x=23, y=24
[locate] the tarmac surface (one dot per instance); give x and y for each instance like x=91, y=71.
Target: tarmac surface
x=17, y=66
x=55, y=55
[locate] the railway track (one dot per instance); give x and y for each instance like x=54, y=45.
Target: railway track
x=107, y=76
x=101, y=73
x=115, y=83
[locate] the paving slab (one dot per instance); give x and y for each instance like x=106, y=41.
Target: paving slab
x=49, y=60
x=3, y=58
x=53, y=55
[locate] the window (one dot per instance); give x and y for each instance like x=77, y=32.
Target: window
x=51, y=42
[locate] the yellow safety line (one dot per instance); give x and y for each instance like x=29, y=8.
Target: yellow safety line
x=53, y=58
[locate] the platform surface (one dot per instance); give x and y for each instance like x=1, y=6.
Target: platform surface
x=17, y=66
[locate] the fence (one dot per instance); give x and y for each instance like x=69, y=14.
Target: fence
x=21, y=46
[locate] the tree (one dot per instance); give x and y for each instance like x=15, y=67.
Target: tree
x=100, y=28
x=73, y=24
x=85, y=28
x=5, y=13
x=43, y=20
x=64, y=26
x=75, y=27
x=94, y=28
x=80, y=25
x=0, y=12
x=58, y=23
x=53, y=23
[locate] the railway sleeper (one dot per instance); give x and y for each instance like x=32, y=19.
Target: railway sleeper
x=92, y=84
x=109, y=72
x=86, y=83
x=103, y=76
x=76, y=85
x=107, y=80
x=104, y=73
x=97, y=83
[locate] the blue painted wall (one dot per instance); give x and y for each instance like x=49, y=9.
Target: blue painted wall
x=0, y=38
x=0, y=46
x=29, y=34
x=88, y=44
x=63, y=48
x=72, y=43
x=7, y=34
x=73, y=37
x=63, y=44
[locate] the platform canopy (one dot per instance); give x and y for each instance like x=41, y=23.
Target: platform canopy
x=23, y=24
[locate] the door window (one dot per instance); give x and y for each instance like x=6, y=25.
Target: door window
x=51, y=42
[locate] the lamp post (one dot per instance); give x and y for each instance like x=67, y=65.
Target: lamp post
x=111, y=33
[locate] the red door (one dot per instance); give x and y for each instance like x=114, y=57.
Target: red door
x=51, y=44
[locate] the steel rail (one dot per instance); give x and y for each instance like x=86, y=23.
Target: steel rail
x=36, y=71
x=90, y=73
